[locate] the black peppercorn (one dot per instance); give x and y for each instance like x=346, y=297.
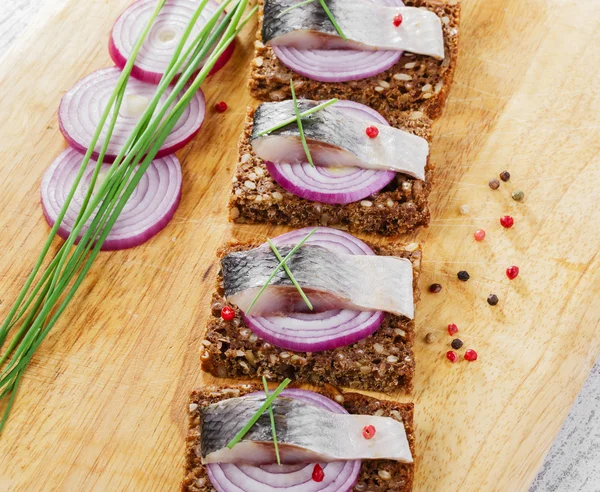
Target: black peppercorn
x=463, y=275
x=435, y=288
x=492, y=299
x=456, y=343
x=504, y=176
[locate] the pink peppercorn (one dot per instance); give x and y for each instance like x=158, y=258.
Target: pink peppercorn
x=372, y=131
x=451, y=356
x=470, y=355
x=221, y=107
x=479, y=235
x=368, y=432
x=512, y=272
x=452, y=329
x=507, y=221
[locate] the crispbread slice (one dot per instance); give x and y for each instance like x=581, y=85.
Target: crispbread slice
x=383, y=361
x=416, y=83
x=377, y=475
x=400, y=207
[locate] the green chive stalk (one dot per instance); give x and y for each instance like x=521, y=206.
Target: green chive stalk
x=273, y=427
x=300, y=126
x=103, y=207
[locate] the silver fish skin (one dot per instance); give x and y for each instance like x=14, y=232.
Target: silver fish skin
x=305, y=434
x=367, y=26
x=336, y=140
x=330, y=280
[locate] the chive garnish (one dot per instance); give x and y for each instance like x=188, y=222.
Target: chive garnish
x=285, y=11
x=272, y=417
x=304, y=114
x=300, y=127
x=244, y=430
x=332, y=19
x=278, y=267
x=42, y=300
x=290, y=274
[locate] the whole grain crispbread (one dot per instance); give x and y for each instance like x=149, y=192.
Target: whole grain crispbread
x=383, y=361
x=416, y=83
x=375, y=476
x=400, y=207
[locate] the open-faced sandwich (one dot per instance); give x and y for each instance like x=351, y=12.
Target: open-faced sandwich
x=333, y=162
x=344, y=316
x=328, y=442
x=388, y=54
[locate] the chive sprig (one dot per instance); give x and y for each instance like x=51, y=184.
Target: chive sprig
x=270, y=399
x=283, y=262
x=304, y=114
x=272, y=417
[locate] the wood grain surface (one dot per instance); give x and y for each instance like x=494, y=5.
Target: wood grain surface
x=103, y=405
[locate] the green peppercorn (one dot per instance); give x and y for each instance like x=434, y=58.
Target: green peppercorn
x=463, y=275
x=456, y=343
x=518, y=195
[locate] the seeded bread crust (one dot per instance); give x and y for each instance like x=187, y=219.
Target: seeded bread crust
x=383, y=361
x=388, y=92
x=401, y=475
x=398, y=208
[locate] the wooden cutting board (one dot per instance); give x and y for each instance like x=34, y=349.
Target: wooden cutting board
x=103, y=405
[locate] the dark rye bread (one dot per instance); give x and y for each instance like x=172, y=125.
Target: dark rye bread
x=398, y=208
x=424, y=92
x=383, y=361
x=375, y=476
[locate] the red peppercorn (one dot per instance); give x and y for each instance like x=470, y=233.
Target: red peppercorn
x=318, y=474
x=372, y=131
x=470, y=355
x=368, y=432
x=398, y=20
x=221, y=107
x=452, y=329
x=479, y=235
x=227, y=313
x=512, y=272
x=507, y=221
x=451, y=356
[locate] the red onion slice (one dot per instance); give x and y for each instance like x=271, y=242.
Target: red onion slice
x=82, y=106
x=156, y=52
x=316, y=332
x=340, y=476
x=339, y=65
x=330, y=184
x=148, y=211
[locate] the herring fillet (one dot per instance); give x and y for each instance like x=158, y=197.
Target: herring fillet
x=336, y=140
x=367, y=26
x=306, y=433
x=330, y=280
